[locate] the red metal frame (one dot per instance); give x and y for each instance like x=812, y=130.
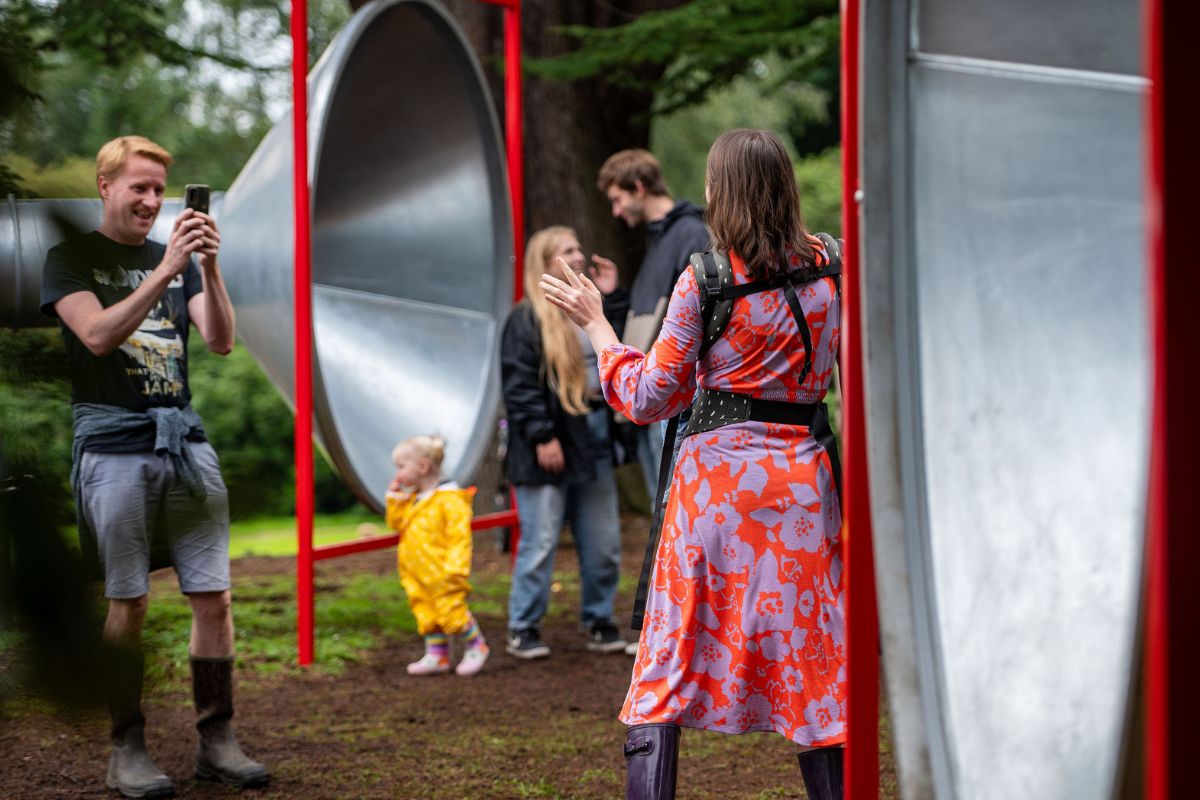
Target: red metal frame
x=513, y=137
x=302, y=286
x=1158, y=760
x=862, y=620
x=302, y=338
x=1172, y=551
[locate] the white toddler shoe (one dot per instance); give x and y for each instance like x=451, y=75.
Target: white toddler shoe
x=429, y=665
x=473, y=660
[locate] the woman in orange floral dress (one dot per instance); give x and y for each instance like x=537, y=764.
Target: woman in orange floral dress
x=744, y=618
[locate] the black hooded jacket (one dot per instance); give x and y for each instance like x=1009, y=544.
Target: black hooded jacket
x=535, y=414
x=670, y=242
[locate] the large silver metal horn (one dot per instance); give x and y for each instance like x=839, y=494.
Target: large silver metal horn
x=1007, y=387
x=412, y=246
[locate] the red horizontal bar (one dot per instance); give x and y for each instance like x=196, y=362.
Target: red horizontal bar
x=501, y=519
x=356, y=546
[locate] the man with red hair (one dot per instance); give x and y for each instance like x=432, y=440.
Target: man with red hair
x=148, y=487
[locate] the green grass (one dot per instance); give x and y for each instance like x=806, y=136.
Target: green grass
x=353, y=613
x=276, y=536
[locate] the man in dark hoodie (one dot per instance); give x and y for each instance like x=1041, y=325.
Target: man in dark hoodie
x=633, y=182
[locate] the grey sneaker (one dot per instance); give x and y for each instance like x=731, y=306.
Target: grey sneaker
x=605, y=639
x=526, y=644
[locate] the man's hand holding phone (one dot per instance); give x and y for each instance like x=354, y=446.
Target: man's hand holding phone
x=210, y=242
x=187, y=237
x=194, y=232
x=196, y=197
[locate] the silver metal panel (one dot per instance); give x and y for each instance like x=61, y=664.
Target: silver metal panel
x=427, y=174
x=410, y=203
x=888, y=314
x=1033, y=367
x=1069, y=34
x=417, y=368
x=1007, y=389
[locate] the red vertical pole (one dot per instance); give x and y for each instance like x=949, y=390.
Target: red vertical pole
x=302, y=287
x=1158, y=760
x=513, y=138
x=1172, y=548
x=862, y=653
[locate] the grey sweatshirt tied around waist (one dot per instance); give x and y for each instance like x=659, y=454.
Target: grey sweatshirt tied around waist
x=171, y=427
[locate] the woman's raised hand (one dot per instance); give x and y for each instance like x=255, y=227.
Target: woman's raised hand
x=577, y=296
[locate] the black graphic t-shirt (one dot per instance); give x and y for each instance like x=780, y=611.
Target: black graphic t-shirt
x=150, y=367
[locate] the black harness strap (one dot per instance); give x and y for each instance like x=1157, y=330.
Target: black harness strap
x=659, y=502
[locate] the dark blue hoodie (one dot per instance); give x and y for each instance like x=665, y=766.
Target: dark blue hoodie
x=672, y=240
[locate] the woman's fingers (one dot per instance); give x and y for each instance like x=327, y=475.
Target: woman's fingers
x=572, y=278
x=572, y=296
x=553, y=287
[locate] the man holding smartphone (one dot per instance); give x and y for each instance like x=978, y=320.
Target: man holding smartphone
x=148, y=487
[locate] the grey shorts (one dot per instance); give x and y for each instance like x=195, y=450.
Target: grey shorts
x=128, y=498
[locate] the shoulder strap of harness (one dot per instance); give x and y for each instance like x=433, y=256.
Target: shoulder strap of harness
x=714, y=273
x=714, y=278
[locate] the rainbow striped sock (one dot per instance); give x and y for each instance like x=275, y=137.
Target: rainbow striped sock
x=438, y=646
x=472, y=636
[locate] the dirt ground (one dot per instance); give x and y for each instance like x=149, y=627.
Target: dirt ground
x=519, y=729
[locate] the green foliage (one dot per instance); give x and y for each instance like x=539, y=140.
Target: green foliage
x=703, y=46
x=250, y=427
x=76, y=73
x=820, y=180
x=681, y=139
x=71, y=177
x=35, y=415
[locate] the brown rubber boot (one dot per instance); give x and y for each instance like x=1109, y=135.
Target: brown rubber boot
x=130, y=769
x=220, y=758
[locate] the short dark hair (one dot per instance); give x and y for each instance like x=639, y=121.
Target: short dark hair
x=627, y=167
x=753, y=203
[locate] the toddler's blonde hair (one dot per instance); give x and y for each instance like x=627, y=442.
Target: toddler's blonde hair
x=428, y=446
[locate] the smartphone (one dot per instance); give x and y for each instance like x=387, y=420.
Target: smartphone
x=195, y=196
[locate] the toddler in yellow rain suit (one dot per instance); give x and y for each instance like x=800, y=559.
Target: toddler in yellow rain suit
x=433, y=518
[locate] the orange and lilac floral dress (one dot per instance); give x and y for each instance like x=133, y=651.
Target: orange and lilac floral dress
x=744, y=618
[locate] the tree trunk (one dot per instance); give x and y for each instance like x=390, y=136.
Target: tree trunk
x=569, y=128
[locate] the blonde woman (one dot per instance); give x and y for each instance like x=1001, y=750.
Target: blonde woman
x=559, y=453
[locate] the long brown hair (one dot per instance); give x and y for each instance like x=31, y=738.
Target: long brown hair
x=753, y=204
x=561, y=352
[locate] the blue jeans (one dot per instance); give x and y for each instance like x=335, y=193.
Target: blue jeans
x=649, y=449
x=591, y=510
x=650, y=446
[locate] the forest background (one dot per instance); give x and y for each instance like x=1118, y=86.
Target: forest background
x=208, y=78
